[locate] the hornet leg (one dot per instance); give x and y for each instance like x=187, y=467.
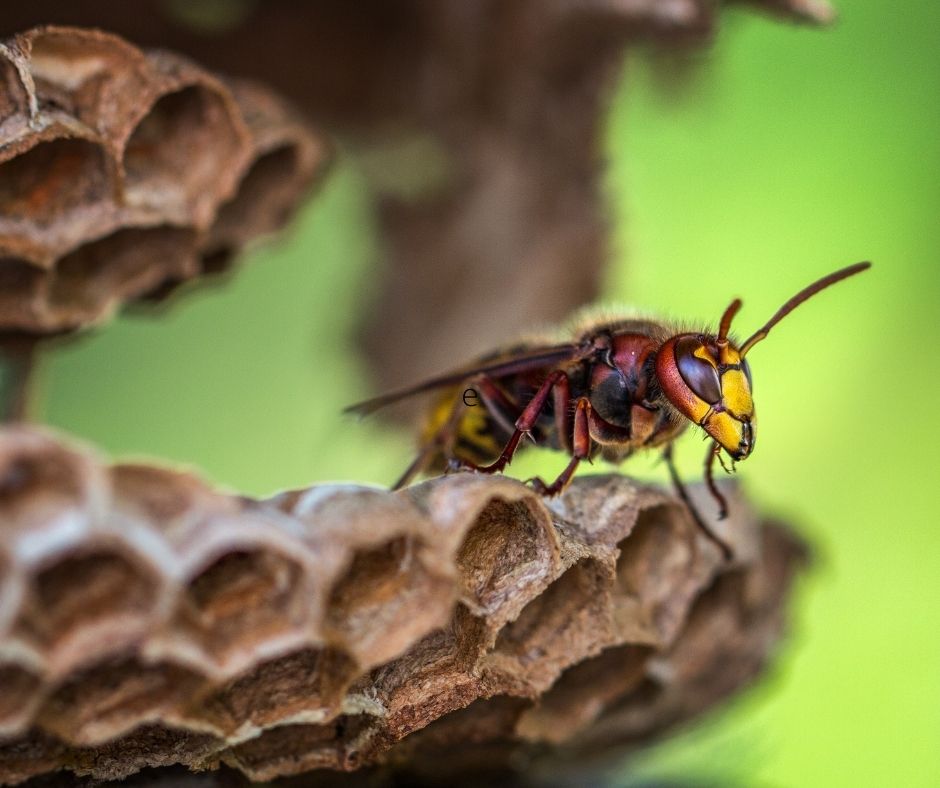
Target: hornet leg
x=524, y=423
x=581, y=450
x=684, y=495
x=714, y=452
x=497, y=404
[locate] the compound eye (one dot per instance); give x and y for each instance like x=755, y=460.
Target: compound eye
x=747, y=374
x=699, y=375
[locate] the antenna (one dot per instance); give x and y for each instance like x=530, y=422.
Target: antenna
x=726, y=319
x=723, y=329
x=799, y=298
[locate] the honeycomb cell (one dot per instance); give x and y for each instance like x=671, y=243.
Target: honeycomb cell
x=165, y=499
x=103, y=273
x=713, y=654
x=51, y=180
x=22, y=286
x=660, y=569
x=91, y=74
x=436, y=664
x=92, y=600
x=241, y=599
x=303, y=686
x=506, y=547
x=231, y=644
x=292, y=749
x=38, y=480
x=582, y=692
x=263, y=202
x=115, y=164
x=386, y=600
x=105, y=701
x=14, y=100
x=174, y=158
x=70, y=59
x=570, y=617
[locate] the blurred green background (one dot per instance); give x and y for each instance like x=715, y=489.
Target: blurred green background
x=783, y=154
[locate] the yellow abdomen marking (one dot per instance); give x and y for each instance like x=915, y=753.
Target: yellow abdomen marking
x=472, y=432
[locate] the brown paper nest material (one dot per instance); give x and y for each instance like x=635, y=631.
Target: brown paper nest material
x=147, y=619
x=124, y=172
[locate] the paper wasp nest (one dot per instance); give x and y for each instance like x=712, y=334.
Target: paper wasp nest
x=124, y=173
x=146, y=619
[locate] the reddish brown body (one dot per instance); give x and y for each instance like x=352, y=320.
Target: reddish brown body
x=616, y=379
x=616, y=387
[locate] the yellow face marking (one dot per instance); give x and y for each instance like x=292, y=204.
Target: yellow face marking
x=699, y=409
x=725, y=429
x=702, y=352
x=735, y=390
x=736, y=393
x=725, y=424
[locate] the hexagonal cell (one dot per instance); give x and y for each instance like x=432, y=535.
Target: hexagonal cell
x=780, y=556
x=180, y=152
x=431, y=678
x=303, y=686
x=716, y=652
x=39, y=479
x=20, y=689
x=241, y=599
x=87, y=601
x=74, y=67
x=582, y=693
x=656, y=568
x=165, y=498
x=112, y=697
x=718, y=646
x=385, y=601
x=214, y=264
x=68, y=58
x=263, y=203
x=506, y=549
x=635, y=717
x=51, y=180
x=21, y=291
x=123, y=265
x=567, y=622
x=14, y=99
x=292, y=749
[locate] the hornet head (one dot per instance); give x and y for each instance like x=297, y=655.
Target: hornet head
x=706, y=377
